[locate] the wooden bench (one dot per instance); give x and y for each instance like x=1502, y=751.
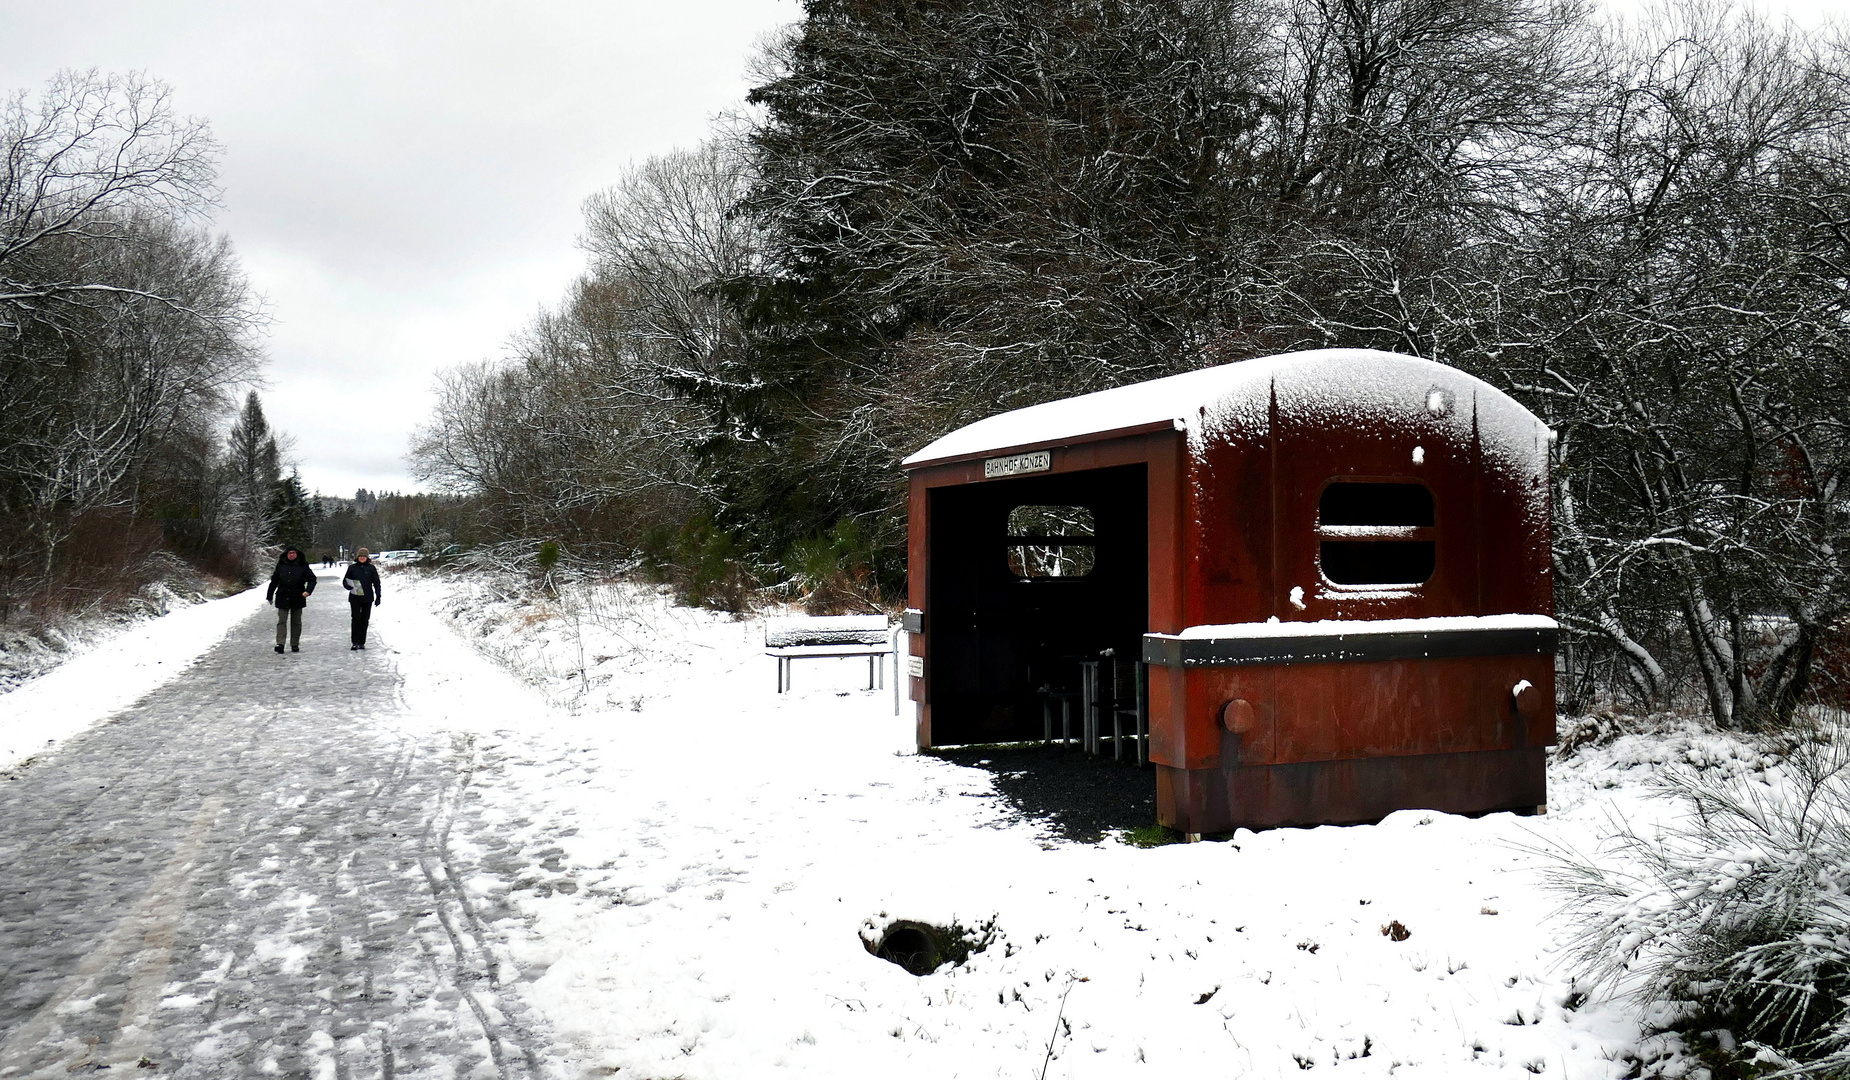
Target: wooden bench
x=797, y=638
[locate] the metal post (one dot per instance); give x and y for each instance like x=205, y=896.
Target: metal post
x=1143, y=714
x=1118, y=718
x=899, y=632
x=1088, y=706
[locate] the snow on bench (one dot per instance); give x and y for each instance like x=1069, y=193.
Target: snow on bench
x=799, y=637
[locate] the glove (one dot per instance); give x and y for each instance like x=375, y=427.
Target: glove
x=378, y=603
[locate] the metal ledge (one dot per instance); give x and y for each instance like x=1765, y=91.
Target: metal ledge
x=1183, y=652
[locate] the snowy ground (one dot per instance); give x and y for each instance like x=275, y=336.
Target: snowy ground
x=675, y=869
x=703, y=912
x=250, y=871
x=28, y=652
x=105, y=667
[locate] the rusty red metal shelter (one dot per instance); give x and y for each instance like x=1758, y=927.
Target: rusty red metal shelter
x=1328, y=571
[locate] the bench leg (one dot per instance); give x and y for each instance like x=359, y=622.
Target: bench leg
x=781, y=677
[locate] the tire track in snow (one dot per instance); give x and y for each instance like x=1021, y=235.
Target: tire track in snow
x=154, y=922
x=253, y=870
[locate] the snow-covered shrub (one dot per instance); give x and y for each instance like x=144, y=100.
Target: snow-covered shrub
x=834, y=572
x=1738, y=908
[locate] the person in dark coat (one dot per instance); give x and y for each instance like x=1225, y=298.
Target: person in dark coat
x=362, y=584
x=290, y=585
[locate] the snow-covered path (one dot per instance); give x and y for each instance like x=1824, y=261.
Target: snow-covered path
x=250, y=871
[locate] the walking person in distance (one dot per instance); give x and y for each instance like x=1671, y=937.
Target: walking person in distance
x=290, y=585
x=362, y=584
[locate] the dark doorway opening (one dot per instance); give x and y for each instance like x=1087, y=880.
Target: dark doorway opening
x=1030, y=578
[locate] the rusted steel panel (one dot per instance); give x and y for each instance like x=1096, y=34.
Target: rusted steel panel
x=1167, y=700
x=1402, y=707
x=1313, y=452
x=1336, y=647
x=1227, y=573
x=1310, y=712
x=1352, y=790
x=918, y=585
x=1165, y=456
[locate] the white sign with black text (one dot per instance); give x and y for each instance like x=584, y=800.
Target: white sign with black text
x=1017, y=464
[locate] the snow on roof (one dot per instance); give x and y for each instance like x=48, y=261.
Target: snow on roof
x=1236, y=397
x=1443, y=624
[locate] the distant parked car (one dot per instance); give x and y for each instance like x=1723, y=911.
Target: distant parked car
x=397, y=558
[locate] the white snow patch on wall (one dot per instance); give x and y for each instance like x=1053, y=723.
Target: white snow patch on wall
x=1446, y=624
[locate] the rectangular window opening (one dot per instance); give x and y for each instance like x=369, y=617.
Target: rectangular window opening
x=1376, y=534
x=1051, y=541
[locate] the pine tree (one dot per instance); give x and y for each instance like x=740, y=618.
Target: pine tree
x=291, y=514
x=254, y=463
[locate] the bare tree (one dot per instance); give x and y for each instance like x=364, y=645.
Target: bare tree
x=124, y=324
x=76, y=165
x=1675, y=308
x=588, y=430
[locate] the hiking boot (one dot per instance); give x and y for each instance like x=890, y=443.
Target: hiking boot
x=353, y=647
x=279, y=648
x=295, y=648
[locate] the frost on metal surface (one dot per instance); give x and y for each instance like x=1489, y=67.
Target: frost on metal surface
x=1447, y=624
x=825, y=630
x=1361, y=386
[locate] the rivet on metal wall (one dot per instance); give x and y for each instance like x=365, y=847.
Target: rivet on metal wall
x=1527, y=700
x=1237, y=716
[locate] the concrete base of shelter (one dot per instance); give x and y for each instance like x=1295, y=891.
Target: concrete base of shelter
x=1349, y=791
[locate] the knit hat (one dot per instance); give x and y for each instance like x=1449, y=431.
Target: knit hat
x=359, y=553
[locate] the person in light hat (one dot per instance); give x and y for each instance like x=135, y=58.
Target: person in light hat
x=362, y=584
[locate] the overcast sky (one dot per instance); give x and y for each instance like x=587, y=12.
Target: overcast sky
x=403, y=180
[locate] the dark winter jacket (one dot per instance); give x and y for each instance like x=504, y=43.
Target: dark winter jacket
x=362, y=581
x=292, y=581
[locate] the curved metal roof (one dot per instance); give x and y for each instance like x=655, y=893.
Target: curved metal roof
x=1354, y=385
